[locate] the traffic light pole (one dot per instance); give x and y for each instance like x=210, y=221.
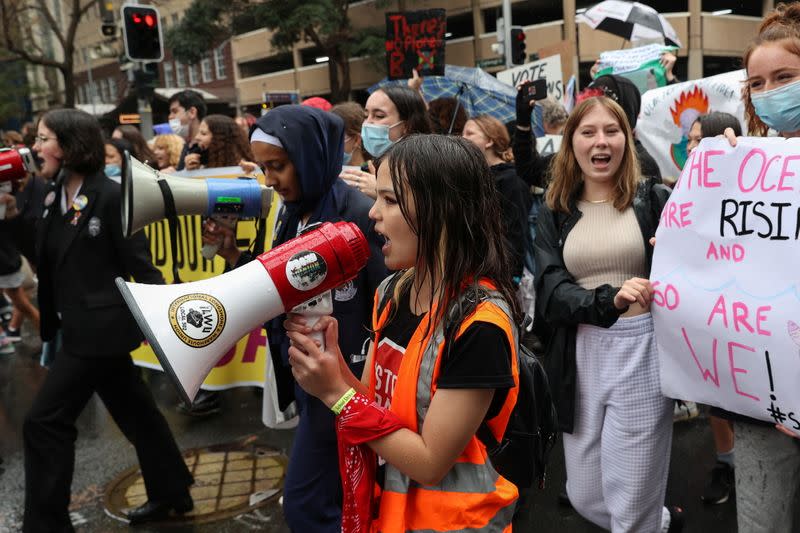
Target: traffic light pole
x=145, y=111
x=507, y=32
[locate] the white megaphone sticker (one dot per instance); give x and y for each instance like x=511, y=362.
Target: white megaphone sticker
x=190, y=326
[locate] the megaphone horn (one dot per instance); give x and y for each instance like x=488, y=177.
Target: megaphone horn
x=144, y=202
x=190, y=326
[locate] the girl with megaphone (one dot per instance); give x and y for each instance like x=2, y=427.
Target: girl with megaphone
x=443, y=362
x=300, y=150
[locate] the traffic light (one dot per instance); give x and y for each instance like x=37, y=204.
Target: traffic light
x=517, y=46
x=108, y=24
x=141, y=28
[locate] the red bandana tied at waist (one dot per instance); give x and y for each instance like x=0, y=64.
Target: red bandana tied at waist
x=360, y=421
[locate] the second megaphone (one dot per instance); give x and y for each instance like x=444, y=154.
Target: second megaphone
x=146, y=195
x=190, y=326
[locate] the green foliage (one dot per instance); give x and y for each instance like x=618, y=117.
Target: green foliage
x=13, y=90
x=324, y=22
x=205, y=24
x=370, y=43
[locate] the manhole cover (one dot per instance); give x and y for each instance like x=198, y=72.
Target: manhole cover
x=229, y=480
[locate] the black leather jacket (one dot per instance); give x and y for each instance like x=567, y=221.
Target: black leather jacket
x=562, y=304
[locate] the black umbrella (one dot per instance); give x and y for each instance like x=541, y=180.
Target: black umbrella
x=630, y=20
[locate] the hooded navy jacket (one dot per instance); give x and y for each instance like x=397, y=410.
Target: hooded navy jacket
x=314, y=140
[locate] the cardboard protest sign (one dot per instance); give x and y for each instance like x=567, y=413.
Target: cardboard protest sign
x=415, y=41
x=245, y=363
x=667, y=115
x=727, y=302
x=549, y=68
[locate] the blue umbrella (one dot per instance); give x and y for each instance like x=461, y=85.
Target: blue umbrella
x=477, y=91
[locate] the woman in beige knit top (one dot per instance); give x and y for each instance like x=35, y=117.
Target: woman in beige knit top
x=593, y=310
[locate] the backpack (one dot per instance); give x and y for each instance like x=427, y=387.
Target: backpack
x=522, y=454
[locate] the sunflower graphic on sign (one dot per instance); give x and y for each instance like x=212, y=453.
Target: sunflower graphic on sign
x=687, y=107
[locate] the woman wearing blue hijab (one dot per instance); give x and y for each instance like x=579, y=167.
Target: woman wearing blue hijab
x=300, y=150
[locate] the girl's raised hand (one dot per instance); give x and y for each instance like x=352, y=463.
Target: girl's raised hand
x=730, y=135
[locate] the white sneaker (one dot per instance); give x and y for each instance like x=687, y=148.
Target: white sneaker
x=684, y=411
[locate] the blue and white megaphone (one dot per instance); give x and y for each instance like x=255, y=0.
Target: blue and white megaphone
x=147, y=193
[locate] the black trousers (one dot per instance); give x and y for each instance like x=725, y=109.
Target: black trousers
x=49, y=433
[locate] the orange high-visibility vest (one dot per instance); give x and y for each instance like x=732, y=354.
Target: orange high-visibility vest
x=472, y=495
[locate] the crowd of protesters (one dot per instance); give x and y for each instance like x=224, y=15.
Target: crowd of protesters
x=466, y=222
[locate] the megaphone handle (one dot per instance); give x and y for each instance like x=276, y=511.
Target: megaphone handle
x=210, y=250
x=314, y=309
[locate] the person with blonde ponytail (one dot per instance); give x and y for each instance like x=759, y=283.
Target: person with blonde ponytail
x=767, y=462
x=492, y=139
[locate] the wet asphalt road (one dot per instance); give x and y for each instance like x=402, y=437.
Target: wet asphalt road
x=102, y=453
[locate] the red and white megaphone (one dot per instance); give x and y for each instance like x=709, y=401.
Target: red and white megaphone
x=190, y=326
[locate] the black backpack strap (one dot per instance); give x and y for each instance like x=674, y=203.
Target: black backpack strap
x=459, y=310
x=172, y=219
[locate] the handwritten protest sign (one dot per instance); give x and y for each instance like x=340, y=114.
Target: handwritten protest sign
x=667, y=115
x=549, y=68
x=245, y=363
x=415, y=41
x=727, y=302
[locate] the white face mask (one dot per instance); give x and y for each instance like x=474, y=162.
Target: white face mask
x=178, y=128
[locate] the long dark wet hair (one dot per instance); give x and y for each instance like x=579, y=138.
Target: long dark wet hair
x=456, y=221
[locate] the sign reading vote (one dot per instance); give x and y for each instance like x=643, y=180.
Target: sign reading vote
x=725, y=272
x=549, y=68
x=415, y=41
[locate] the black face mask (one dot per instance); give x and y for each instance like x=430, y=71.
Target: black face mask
x=197, y=149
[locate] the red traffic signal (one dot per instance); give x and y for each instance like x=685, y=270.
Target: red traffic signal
x=142, y=33
x=517, y=46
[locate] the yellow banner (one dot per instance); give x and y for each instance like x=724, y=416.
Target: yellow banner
x=245, y=363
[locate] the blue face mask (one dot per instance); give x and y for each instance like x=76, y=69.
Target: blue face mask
x=113, y=170
x=376, y=138
x=779, y=108
x=346, y=157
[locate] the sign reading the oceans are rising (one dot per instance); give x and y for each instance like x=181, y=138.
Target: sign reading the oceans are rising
x=725, y=270
x=415, y=41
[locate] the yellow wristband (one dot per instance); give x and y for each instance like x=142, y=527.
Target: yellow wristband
x=346, y=397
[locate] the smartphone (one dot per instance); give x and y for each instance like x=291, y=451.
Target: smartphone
x=536, y=89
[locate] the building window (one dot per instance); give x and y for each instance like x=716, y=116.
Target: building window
x=192, y=74
x=205, y=69
x=180, y=76
x=175, y=18
x=219, y=62
x=168, y=74
x=112, y=91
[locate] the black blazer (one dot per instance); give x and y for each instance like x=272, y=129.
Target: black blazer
x=95, y=321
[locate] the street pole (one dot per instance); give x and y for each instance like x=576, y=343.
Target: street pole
x=144, y=109
x=87, y=59
x=507, y=32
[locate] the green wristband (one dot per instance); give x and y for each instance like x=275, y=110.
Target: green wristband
x=346, y=397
